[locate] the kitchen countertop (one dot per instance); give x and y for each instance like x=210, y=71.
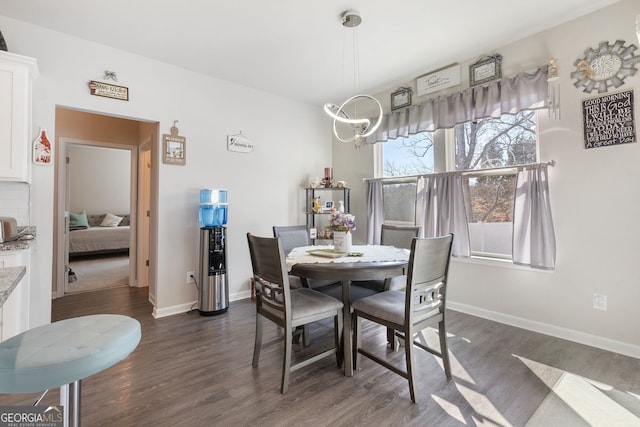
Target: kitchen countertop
x=9, y=278
x=24, y=242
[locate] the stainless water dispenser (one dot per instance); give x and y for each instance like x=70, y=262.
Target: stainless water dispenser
x=213, y=295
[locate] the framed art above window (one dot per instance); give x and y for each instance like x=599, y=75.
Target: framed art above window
x=485, y=70
x=401, y=98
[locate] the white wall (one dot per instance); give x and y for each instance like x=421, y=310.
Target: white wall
x=99, y=179
x=265, y=187
x=595, y=204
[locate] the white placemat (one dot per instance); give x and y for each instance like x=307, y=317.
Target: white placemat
x=371, y=253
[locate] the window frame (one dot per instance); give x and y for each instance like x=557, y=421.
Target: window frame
x=444, y=161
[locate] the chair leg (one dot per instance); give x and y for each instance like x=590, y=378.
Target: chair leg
x=338, y=328
x=64, y=402
x=444, y=349
x=408, y=352
x=357, y=340
x=393, y=341
x=286, y=364
x=305, y=335
x=258, y=341
x=76, y=387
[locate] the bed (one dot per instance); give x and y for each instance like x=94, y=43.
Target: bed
x=96, y=238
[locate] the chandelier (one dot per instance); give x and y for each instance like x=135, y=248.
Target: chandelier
x=349, y=121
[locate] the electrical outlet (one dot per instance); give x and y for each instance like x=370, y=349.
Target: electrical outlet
x=600, y=302
x=191, y=277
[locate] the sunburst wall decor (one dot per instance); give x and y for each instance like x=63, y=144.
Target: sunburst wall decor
x=605, y=67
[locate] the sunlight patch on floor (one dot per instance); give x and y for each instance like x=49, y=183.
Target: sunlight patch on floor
x=451, y=409
x=576, y=401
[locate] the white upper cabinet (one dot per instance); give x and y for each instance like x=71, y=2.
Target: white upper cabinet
x=16, y=75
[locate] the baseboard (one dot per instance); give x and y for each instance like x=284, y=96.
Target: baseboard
x=547, y=329
x=183, y=308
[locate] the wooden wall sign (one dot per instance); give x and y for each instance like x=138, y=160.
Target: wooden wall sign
x=174, y=147
x=609, y=120
x=108, y=90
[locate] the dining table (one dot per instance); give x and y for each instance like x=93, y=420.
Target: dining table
x=363, y=262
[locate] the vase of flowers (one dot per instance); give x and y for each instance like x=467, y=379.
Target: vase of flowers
x=341, y=224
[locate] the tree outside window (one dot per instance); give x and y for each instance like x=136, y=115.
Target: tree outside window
x=509, y=140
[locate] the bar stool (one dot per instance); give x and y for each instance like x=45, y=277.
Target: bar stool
x=62, y=353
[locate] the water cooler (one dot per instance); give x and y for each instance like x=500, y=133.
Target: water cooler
x=213, y=295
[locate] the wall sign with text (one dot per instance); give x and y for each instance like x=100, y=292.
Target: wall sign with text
x=609, y=120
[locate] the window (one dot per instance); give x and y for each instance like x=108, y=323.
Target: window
x=478, y=147
x=402, y=156
x=490, y=143
x=412, y=155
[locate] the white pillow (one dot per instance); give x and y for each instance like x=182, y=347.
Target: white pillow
x=110, y=220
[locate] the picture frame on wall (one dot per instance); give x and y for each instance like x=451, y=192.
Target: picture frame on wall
x=401, y=98
x=174, y=150
x=485, y=70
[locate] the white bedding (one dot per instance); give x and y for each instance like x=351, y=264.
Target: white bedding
x=98, y=239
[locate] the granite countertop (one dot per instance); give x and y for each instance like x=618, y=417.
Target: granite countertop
x=24, y=242
x=9, y=278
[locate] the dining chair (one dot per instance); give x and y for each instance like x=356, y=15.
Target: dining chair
x=399, y=236
x=286, y=307
x=408, y=313
x=294, y=236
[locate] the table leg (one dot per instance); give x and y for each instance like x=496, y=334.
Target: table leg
x=346, y=300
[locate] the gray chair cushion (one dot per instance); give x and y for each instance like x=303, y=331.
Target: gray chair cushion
x=306, y=302
x=388, y=305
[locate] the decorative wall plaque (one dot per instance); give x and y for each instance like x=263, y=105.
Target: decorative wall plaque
x=108, y=90
x=174, y=147
x=609, y=120
x=438, y=80
x=486, y=69
x=604, y=67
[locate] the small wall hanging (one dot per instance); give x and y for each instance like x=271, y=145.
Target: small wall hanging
x=174, y=147
x=401, y=98
x=108, y=90
x=553, y=90
x=239, y=143
x=486, y=69
x=609, y=120
x=605, y=67
x=42, y=149
x=438, y=80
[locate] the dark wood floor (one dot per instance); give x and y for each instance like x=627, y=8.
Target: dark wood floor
x=191, y=370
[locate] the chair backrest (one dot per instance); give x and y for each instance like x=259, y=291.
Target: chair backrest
x=427, y=278
x=292, y=236
x=399, y=236
x=270, y=275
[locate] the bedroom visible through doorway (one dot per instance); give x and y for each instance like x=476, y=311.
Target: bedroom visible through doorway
x=100, y=199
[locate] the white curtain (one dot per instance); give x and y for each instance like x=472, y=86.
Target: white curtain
x=534, y=241
x=441, y=210
x=525, y=91
x=375, y=212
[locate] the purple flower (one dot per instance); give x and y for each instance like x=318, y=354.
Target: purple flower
x=340, y=221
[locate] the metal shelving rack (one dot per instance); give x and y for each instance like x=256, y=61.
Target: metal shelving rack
x=312, y=192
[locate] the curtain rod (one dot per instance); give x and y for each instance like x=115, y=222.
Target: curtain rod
x=551, y=163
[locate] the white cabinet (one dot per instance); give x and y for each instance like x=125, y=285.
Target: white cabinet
x=14, y=313
x=16, y=75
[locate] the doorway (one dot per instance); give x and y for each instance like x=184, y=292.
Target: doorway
x=79, y=133
x=99, y=179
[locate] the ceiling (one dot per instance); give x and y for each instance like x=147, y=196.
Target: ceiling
x=294, y=48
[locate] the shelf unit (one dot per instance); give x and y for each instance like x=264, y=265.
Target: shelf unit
x=313, y=219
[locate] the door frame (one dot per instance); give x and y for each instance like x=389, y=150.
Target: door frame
x=61, y=253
